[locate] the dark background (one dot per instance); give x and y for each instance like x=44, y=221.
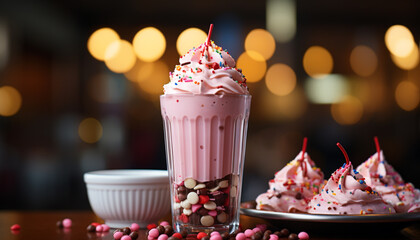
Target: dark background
x=42, y=158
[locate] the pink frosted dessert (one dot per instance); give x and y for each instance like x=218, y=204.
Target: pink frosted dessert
x=293, y=186
x=382, y=177
x=205, y=108
x=346, y=192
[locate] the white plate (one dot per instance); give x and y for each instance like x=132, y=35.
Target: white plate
x=304, y=217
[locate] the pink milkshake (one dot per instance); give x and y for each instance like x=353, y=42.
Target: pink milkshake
x=205, y=108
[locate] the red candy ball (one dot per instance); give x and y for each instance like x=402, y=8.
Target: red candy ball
x=15, y=227
x=177, y=235
x=150, y=226
x=200, y=235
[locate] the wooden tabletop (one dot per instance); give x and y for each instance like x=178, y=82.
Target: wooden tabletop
x=42, y=225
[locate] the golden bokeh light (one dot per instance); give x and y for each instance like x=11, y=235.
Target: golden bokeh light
x=280, y=79
x=289, y=107
x=158, y=76
x=407, y=95
x=149, y=44
x=399, y=40
x=140, y=72
x=10, y=101
x=254, y=67
x=120, y=57
x=262, y=42
x=189, y=38
x=409, y=62
x=363, y=61
x=348, y=111
x=317, y=62
x=90, y=130
x=133, y=73
x=99, y=41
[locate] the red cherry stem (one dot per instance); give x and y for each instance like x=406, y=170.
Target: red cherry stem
x=344, y=153
x=209, y=35
x=206, y=48
x=305, y=142
x=378, y=148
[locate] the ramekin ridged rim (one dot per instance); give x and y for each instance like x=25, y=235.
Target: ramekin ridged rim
x=126, y=176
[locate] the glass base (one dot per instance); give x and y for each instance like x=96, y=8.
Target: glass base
x=193, y=229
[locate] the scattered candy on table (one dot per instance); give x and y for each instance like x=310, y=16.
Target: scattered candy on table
x=67, y=223
x=97, y=227
x=303, y=236
x=164, y=223
x=258, y=233
x=134, y=227
x=15, y=227
x=150, y=226
x=105, y=228
x=164, y=231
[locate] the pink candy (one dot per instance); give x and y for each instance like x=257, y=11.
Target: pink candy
x=303, y=235
x=274, y=237
x=67, y=222
x=102, y=228
x=105, y=228
x=248, y=233
x=154, y=233
x=125, y=237
x=257, y=229
x=263, y=227
x=240, y=236
x=214, y=233
x=134, y=227
x=164, y=223
x=212, y=213
x=99, y=228
x=163, y=237
x=216, y=237
x=195, y=207
x=118, y=235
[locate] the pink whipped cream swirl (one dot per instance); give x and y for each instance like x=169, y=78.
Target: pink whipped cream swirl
x=292, y=187
x=382, y=177
x=206, y=70
x=346, y=192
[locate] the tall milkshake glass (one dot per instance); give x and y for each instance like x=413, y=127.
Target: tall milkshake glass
x=205, y=145
x=205, y=110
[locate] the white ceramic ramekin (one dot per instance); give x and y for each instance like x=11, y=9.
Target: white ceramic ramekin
x=122, y=197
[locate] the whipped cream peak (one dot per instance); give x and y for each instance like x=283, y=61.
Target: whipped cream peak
x=299, y=170
x=207, y=69
x=348, y=179
x=379, y=173
x=346, y=192
x=383, y=178
x=293, y=186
